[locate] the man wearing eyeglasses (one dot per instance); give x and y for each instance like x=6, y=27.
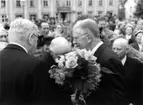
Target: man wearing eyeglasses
x=23, y=78
x=112, y=88
x=3, y=38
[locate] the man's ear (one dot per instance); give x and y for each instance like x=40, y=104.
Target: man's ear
x=89, y=38
x=30, y=39
x=127, y=49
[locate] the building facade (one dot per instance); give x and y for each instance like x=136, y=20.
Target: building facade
x=60, y=9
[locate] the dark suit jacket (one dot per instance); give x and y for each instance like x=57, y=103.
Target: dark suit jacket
x=135, y=46
x=24, y=79
x=112, y=88
x=134, y=80
x=62, y=93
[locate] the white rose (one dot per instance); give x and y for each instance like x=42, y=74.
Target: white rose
x=71, y=54
x=71, y=62
x=81, y=52
x=60, y=45
x=89, y=56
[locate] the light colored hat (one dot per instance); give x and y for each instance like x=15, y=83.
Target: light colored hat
x=60, y=45
x=139, y=31
x=129, y=25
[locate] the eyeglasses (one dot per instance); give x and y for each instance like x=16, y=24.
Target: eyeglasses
x=36, y=35
x=3, y=36
x=81, y=36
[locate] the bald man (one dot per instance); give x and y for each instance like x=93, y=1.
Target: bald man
x=112, y=86
x=133, y=71
x=45, y=29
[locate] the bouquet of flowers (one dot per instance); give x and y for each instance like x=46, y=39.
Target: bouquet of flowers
x=79, y=69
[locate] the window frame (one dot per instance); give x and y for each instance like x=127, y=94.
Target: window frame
x=79, y=3
x=4, y=3
x=47, y=3
x=31, y=15
x=18, y=4
x=100, y=3
x=31, y=4
x=90, y=3
x=110, y=2
x=3, y=17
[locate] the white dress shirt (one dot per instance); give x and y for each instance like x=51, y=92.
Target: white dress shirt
x=140, y=47
x=19, y=45
x=96, y=47
x=128, y=37
x=124, y=60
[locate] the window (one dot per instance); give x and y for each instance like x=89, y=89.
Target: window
x=90, y=2
x=45, y=16
x=33, y=17
x=110, y=2
x=100, y=12
x=57, y=3
x=45, y=3
x=100, y=2
x=79, y=13
x=31, y=3
x=68, y=3
x=79, y=2
x=90, y=13
x=3, y=3
x=18, y=4
x=4, y=18
x=18, y=15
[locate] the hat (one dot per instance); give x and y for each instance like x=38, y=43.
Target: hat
x=139, y=31
x=129, y=25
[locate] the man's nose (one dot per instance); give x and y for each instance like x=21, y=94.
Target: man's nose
x=115, y=50
x=74, y=41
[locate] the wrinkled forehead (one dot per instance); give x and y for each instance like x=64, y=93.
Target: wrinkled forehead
x=140, y=34
x=102, y=22
x=44, y=25
x=78, y=31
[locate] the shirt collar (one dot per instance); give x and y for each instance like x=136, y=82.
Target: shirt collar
x=96, y=47
x=19, y=45
x=128, y=37
x=140, y=47
x=124, y=60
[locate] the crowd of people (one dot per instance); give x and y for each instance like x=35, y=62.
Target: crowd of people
x=26, y=56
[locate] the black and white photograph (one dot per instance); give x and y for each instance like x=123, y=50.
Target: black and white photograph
x=71, y=52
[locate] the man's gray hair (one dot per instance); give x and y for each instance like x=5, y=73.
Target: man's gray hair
x=19, y=29
x=88, y=25
x=122, y=41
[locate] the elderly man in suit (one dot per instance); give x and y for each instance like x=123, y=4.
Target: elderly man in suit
x=112, y=88
x=133, y=71
x=23, y=79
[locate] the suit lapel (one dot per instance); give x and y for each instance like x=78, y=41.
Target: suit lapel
x=16, y=47
x=137, y=46
x=99, y=51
